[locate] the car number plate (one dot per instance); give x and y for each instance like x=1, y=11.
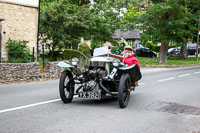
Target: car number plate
x=89, y=95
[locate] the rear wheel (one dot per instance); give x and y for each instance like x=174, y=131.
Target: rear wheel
x=66, y=86
x=124, y=90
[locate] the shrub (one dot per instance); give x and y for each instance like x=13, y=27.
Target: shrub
x=18, y=51
x=67, y=54
x=71, y=53
x=56, y=56
x=156, y=48
x=122, y=42
x=172, y=46
x=83, y=47
x=117, y=50
x=150, y=45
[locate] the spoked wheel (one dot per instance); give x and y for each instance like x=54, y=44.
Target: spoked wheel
x=124, y=90
x=66, y=86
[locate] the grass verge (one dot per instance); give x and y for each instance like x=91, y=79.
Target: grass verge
x=153, y=62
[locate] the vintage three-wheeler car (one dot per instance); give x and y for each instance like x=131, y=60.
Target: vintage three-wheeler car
x=105, y=75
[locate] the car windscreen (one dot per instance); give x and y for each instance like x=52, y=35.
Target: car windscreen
x=100, y=51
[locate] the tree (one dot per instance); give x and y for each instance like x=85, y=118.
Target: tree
x=192, y=12
x=163, y=21
x=191, y=23
x=63, y=22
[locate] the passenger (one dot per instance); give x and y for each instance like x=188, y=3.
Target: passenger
x=109, y=46
x=129, y=57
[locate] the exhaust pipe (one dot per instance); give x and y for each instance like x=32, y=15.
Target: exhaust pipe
x=105, y=89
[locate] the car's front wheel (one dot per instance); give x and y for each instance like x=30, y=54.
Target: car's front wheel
x=66, y=86
x=124, y=90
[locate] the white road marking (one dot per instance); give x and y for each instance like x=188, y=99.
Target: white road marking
x=184, y=75
x=165, y=79
x=196, y=72
x=28, y=106
x=154, y=69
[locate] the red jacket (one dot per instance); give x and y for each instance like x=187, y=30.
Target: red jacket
x=130, y=60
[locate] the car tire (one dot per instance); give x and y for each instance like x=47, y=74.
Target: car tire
x=66, y=88
x=124, y=90
x=153, y=56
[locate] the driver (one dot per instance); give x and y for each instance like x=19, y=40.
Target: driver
x=129, y=57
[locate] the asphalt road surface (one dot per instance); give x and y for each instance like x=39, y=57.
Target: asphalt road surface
x=167, y=101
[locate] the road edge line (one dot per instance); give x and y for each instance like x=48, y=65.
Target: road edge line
x=28, y=106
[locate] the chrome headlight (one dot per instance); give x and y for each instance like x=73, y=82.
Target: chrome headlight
x=116, y=62
x=74, y=61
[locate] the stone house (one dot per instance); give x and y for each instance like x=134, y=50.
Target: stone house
x=131, y=36
x=18, y=21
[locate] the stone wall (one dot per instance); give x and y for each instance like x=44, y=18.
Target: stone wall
x=16, y=72
x=52, y=71
x=21, y=23
x=28, y=72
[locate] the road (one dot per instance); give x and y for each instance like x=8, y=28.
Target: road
x=167, y=101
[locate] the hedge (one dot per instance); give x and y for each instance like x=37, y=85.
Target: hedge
x=67, y=54
x=84, y=48
x=156, y=48
x=70, y=53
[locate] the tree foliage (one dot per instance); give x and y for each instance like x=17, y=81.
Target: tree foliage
x=64, y=22
x=166, y=21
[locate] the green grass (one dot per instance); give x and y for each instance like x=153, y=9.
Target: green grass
x=144, y=61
